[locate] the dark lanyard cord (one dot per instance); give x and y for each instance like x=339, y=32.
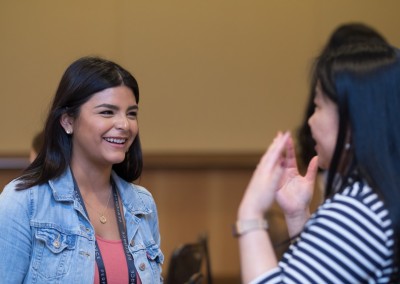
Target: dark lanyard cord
x=124, y=237
x=122, y=233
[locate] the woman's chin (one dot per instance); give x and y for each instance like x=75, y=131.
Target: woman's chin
x=117, y=159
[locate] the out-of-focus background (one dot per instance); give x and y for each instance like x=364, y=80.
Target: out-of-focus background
x=217, y=79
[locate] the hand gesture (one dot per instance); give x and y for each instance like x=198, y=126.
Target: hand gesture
x=266, y=180
x=295, y=191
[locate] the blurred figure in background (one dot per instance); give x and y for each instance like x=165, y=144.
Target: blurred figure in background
x=353, y=237
x=343, y=35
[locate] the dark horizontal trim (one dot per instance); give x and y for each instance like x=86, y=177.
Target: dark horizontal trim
x=189, y=161
x=166, y=161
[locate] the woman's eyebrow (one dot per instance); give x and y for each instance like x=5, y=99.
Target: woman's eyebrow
x=135, y=107
x=114, y=107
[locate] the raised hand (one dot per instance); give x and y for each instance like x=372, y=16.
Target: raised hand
x=266, y=180
x=295, y=191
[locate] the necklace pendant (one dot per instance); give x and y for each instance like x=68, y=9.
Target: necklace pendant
x=103, y=219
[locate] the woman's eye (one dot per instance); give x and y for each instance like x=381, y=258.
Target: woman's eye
x=132, y=114
x=106, y=112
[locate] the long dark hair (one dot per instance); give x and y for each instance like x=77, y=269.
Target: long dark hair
x=364, y=81
x=83, y=78
x=350, y=33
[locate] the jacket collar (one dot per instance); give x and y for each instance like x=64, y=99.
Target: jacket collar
x=63, y=190
x=131, y=198
x=63, y=186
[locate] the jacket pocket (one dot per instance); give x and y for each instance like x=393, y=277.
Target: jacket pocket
x=148, y=259
x=154, y=253
x=53, y=252
x=155, y=258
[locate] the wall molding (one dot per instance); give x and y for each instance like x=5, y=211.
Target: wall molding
x=173, y=161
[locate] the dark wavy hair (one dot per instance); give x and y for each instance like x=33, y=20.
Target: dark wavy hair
x=83, y=78
x=364, y=81
x=350, y=33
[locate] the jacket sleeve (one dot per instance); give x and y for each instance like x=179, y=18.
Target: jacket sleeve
x=157, y=237
x=15, y=236
x=156, y=229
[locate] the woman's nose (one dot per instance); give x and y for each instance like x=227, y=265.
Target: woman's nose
x=122, y=122
x=309, y=121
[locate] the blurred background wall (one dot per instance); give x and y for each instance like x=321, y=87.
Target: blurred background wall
x=217, y=78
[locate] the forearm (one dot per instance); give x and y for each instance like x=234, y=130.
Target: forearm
x=257, y=254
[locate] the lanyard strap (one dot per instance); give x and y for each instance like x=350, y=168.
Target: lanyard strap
x=122, y=233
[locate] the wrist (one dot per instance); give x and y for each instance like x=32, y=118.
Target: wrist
x=249, y=213
x=244, y=226
x=295, y=222
x=297, y=214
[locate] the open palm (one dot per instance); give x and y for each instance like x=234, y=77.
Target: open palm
x=295, y=191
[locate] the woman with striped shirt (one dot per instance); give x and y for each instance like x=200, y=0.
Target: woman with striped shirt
x=353, y=237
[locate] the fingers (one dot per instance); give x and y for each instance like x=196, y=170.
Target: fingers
x=290, y=158
x=274, y=153
x=260, y=192
x=312, y=169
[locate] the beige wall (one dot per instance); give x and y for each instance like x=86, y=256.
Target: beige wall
x=215, y=76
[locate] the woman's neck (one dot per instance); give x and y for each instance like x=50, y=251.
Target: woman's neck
x=93, y=179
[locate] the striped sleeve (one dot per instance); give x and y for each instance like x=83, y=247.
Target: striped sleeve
x=348, y=240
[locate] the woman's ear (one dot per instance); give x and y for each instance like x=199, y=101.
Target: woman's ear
x=67, y=122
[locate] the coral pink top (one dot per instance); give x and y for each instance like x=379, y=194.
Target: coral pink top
x=113, y=255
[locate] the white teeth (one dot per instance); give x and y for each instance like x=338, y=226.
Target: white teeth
x=115, y=140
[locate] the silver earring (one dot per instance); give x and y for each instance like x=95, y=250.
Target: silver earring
x=347, y=146
x=68, y=131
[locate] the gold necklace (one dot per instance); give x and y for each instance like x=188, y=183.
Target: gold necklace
x=102, y=216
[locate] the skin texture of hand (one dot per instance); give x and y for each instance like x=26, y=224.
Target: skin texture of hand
x=260, y=192
x=295, y=191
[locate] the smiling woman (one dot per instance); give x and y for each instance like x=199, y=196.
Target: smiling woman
x=105, y=128
x=75, y=214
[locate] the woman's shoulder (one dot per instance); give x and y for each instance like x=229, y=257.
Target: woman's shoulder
x=136, y=197
x=120, y=182
x=358, y=201
x=143, y=194
x=133, y=187
x=361, y=192
x=10, y=190
x=141, y=190
x=15, y=202
x=15, y=196
x=353, y=226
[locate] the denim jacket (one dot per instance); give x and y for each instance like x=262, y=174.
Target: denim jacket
x=46, y=237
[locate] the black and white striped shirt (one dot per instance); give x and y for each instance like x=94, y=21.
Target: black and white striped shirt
x=349, y=239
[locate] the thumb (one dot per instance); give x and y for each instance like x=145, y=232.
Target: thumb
x=312, y=169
